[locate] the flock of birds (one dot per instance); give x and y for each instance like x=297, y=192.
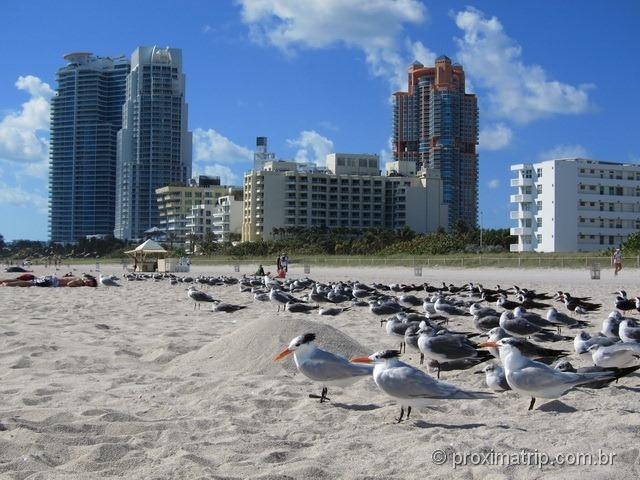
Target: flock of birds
x=418, y=316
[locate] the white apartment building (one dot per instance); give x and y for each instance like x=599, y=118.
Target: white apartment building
x=350, y=193
x=574, y=204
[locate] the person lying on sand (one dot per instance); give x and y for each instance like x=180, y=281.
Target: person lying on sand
x=28, y=280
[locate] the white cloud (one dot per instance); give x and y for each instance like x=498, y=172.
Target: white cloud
x=495, y=183
x=227, y=176
x=17, y=196
x=211, y=146
x=495, y=137
x=312, y=147
x=206, y=28
x=564, y=151
x=327, y=125
x=23, y=134
x=373, y=26
x=517, y=91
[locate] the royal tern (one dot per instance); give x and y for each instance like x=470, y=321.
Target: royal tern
x=325, y=368
x=517, y=326
x=219, y=306
x=410, y=386
x=299, y=307
x=535, y=379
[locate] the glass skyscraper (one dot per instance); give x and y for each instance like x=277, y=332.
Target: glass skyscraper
x=86, y=114
x=435, y=125
x=154, y=145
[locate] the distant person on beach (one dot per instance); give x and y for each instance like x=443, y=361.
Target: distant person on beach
x=278, y=263
x=285, y=263
x=260, y=271
x=616, y=259
x=28, y=280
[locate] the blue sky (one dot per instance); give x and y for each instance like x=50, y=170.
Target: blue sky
x=552, y=78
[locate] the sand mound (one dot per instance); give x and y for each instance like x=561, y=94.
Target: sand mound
x=252, y=347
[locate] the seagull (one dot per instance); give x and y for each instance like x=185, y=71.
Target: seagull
x=219, y=306
x=535, y=379
x=282, y=297
x=410, y=386
x=629, y=331
x=299, y=307
x=517, y=326
x=198, y=297
x=494, y=377
x=447, y=309
x=583, y=341
x=321, y=366
x=618, y=355
x=447, y=347
x=611, y=325
x=109, y=281
x=332, y=311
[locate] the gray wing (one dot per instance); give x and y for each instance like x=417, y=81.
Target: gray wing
x=409, y=382
x=323, y=366
x=451, y=347
x=201, y=297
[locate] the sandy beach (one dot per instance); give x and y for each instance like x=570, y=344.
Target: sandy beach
x=131, y=382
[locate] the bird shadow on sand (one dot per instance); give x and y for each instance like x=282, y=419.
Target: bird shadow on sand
x=357, y=407
x=556, y=406
x=629, y=389
x=464, y=426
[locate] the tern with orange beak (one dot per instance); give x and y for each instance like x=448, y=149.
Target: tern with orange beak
x=321, y=366
x=535, y=379
x=410, y=386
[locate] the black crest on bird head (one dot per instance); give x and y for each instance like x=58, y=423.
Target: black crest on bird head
x=308, y=337
x=390, y=354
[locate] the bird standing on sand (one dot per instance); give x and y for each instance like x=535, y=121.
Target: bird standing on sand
x=321, y=366
x=410, y=386
x=494, y=377
x=198, y=297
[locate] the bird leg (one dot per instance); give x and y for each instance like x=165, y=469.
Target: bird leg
x=421, y=358
x=398, y=420
x=322, y=396
x=408, y=412
x=533, y=400
x=438, y=376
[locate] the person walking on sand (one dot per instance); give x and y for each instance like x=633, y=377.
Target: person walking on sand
x=285, y=263
x=616, y=260
x=278, y=263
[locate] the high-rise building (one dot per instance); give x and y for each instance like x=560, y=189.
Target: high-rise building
x=600, y=212
x=154, y=145
x=435, y=125
x=86, y=114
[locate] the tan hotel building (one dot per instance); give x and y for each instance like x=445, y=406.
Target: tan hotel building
x=351, y=193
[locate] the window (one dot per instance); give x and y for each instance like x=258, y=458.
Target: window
x=539, y=222
x=539, y=204
x=539, y=188
x=539, y=172
x=539, y=238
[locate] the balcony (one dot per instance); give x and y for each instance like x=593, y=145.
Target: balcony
x=521, y=198
x=520, y=214
x=519, y=230
x=521, y=247
x=521, y=182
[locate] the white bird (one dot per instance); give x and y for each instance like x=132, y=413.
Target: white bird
x=535, y=379
x=495, y=377
x=618, y=355
x=109, y=281
x=321, y=366
x=410, y=386
x=629, y=331
x=583, y=341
